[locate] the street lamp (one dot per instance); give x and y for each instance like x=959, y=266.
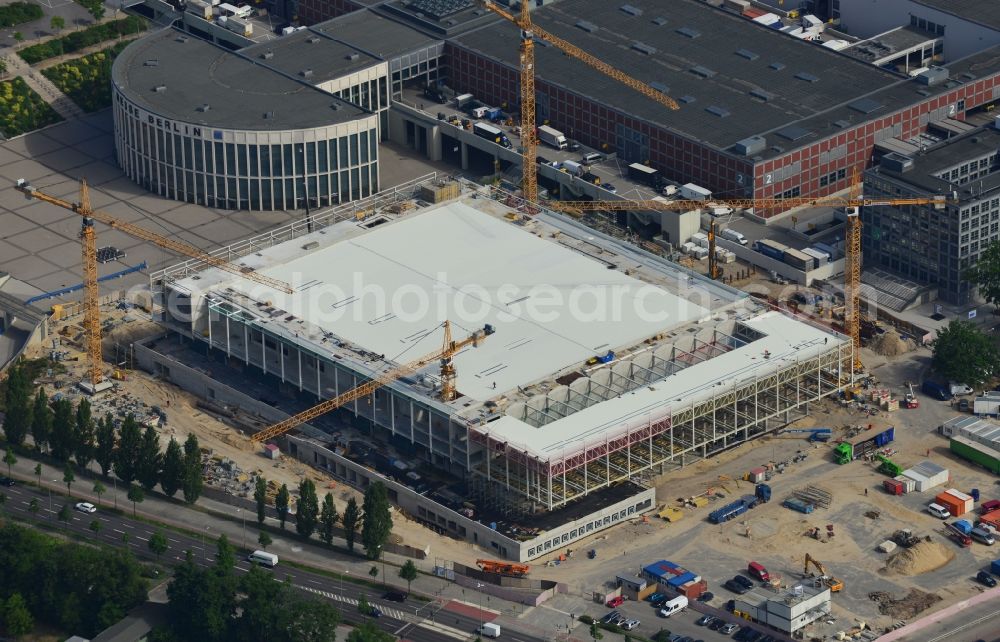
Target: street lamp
x=114, y=485
x=479, y=586
x=244, y=541
x=49, y=489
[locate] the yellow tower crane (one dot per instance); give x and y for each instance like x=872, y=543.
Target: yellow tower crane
x=529, y=31
x=88, y=237
x=448, y=391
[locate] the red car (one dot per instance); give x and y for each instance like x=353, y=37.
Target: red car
x=615, y=602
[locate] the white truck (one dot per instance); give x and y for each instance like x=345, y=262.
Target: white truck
x=489, y=630
x=552, y=137
x=240, y=26
x=693, y=192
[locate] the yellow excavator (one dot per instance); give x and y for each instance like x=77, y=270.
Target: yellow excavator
x=832, y=583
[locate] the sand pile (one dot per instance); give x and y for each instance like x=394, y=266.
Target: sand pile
x=890, y=344
x=914, y=602
x=921, y=558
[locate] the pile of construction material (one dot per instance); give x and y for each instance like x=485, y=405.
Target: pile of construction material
x=890, y=344
x=225, y=474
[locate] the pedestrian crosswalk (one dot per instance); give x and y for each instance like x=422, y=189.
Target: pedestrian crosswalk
x=387, y=611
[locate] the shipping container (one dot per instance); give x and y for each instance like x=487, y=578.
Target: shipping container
x=798, y=260
x=987, y=404
x=992, y=517
x=645, y=174
x=693, y=192
x=909, y=485
x=892, y=486
x=770, y=248
x=957, y=503
x=728, y=512
x=977, y=453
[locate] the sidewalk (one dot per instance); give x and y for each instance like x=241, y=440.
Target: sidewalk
x=44, y=87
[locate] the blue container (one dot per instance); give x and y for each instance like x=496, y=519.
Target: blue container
x=975, y=494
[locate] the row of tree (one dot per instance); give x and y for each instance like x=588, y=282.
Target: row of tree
x=79, y=588
x=964, y=353
x=374, y=519
x=71, y=433
x=214, y=604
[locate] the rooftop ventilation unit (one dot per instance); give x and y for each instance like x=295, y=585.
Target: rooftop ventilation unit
x=842, y=124
x=267, y=55
x=715, y=110
x=660, y=87
x=746, y=53
x=777, y=149
x=751, y=146
x=630, y=10
x=643, y=48
x=160, y=89
x=335, y=107
x=659, y=21
x=896, y=162
x=793, y=132
x=806, y=76
x=687, y=100
x=865, y=105
x=352, y=56
x=306, y=73
x=268, y=115
x=688, y=32
x=181, y=39
x=589, y=27
x=760, y=94
x=933, y=76
x=703, y=72
x=777, y=66
x=313, y=39
x=204, y=107
x=151, y=63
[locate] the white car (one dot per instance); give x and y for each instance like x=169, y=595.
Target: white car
x=631, y=624
x=86, y=507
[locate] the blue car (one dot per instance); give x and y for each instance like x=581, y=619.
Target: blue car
x=655, y=597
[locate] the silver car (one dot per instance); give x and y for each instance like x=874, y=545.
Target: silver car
x=729, y=628
x=631, y=624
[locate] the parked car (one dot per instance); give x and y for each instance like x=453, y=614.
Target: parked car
x=629, y=625
x=610, y=615
x=374, y=611
x=655, y=597
x=609, y=187
x=717, y=624
x=542, y=160
x=7, y=481
x=615, y=602
x=963, y=405
x=744, y=580
x=735, y=587
x=573, y=146
x=727, y=629
x=707, y=596
x=704, y=620
x=986, y=579
x=86, y=507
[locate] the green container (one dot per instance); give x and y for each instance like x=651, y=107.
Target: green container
x=973, y=454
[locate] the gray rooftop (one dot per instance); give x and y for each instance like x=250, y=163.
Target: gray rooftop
x=889, y=43
x=985, y=12
x=237, y=90
x=312, y=50
x=947, y=155
x=791, y=80
x=377, y=34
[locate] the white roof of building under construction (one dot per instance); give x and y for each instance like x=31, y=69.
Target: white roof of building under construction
x=786, y=340
x=388, y=289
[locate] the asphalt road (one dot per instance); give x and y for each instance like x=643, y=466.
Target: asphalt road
x=980, y=622
x=413, y=620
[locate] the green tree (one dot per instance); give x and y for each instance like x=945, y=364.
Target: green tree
x=17, y=618
x=9, y=459
x=260, y=496
x=17, y=399
x=41, y=420
x=225, y=556
x=63, y=424
x=158, y=544
x=260, y=605
x=192, y=470
x=3, y=69
x=377, y=522
x=126, y=459
x=368, y=632
x=281, y=503
x=306, y=619
x=963, y=353
x=172, y=470
x=350, y=520
x=95, y=525
x=201, y=602
x=135, y=495
x=18, y=37
x=56, y=24
x=373, y=572
x=364, y=608
x=34, y=507
x=65, y=514
x=69, y=478
x=985, y=274
x=104, y=449
x=328, y=519
x=595, y=631
x=38, y=474
x=148, y=468
x=408, y=572
x=83, y=440
x=99, y=489
x=3, y=501
x=264, y=540
x=307, y=509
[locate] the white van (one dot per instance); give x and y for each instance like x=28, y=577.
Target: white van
x=673, y=606
x=939, y=511
x=489, y=630
x=263, y=558
x=732, y=235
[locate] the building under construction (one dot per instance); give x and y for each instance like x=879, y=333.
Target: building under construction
x=607, y=365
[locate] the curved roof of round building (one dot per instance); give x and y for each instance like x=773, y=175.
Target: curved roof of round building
x=184, y=78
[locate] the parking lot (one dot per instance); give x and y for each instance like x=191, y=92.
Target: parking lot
x=683, y=626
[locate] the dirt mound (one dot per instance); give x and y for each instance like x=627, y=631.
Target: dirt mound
x=890, y=344
x=921, y=558
x=914, y=602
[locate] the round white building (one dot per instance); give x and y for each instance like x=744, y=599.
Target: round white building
x=198, y=123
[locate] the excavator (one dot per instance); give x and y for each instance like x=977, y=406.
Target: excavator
x=832, y=583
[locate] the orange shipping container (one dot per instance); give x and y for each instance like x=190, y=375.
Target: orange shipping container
x=954, y=505
x=991, y=518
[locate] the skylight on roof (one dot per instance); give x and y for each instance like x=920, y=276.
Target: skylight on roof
x=688, y=32
x=777, y=66
x=659, y=21
x=760, y=94
x=687, y=100
x=715, y=110
x=630, y=10
x=746, y=53
x=704, y=72
x=806, y=76
x=642, y=47
x=793, y=132
x=660, y=87
x=865, y=105
x=589, y=27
